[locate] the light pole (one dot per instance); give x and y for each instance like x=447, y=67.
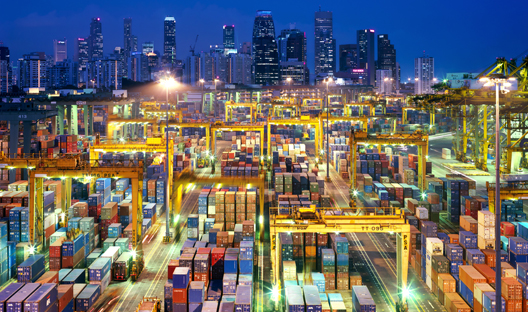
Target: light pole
x=215, y=81
x=497, y=80
x=168, y=82
x=202, y=82
x=327, y=81
x=288, y=81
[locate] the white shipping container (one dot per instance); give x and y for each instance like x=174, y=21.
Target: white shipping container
x=289, y=271
x=429, y=282
x=485, y=243
x=486, y=218
x=201, y=222
x=192, y=232
x=112, y=253
x=479, y=289
x=428, y=269
x=49, y=220
x=211, y=210
x=510, y=273
x=486, y=232
x=434, y=246
x=422, y=213
x=446, y=151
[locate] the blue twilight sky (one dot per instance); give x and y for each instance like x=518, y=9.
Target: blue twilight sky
x=462, y=36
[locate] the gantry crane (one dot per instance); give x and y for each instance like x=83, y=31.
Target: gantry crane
x=188, y=177
x=416, y=138
x=314, y=122
x=220, y=126
x=348, y=109
x=152, y=112
x=230, y=105
x=114, y=123
x=508, y=191
x=358, y=220
x=309, y=102
x=332, y=119
x=342, y=98
x=277, y=110
x=180, y=125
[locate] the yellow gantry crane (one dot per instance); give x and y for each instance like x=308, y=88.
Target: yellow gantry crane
x=312, y=102
x=115, y=123
x=351, y=220
x=151, y=112
x=277, y=110
x=416, y=138
x=220, y=126
x=230, y=105
x=179, y=125
x=508, y=191
x=332, y=119
x=315, y=122
x=348, y=109
x=68, y=168
x=187, y=177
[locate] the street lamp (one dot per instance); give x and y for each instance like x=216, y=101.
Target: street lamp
x=327, y=81
x=288, y=81
x=215, y=81
x=203, y=98
x=167, y=82
x=497, y=80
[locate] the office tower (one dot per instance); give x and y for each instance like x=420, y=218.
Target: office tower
x=32, y=71
x=127, y=36
x=282, y=43
x=347, y=57
x=169, y=41
x=366, y=61
x=241, y=68
x=119, y=55
x=222, y=67
x=296, y=46
x=138, y=68
x=95, y=40
x=294, y=70
x=147, y=47
x=104, y=74
x=387, y=57
x=191, y=71
x=264, y=47
x=134, y=44
x=423, y=74
x=245, y=48
x=6, y=76
x=384, y=81
x=63, y=74
x=60, y=50
x=325, y=44
x=229, y=37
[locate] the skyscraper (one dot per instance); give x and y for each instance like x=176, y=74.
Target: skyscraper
x=245, y=48
x=60, y=50
x=265, y=55
x=296, y=46
x=147, y=47
x=366, y=61
x=282, y=43
x=169, y=41
x=127, y=36
x=387, y=57
x=229, y=37
x=347, y=57
x=95, y=40
x=325, y=44
x=32, y=71
x=6, y=76
x=423, y=74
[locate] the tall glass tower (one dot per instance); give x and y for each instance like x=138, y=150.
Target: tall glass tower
x=169, y=41
x=265, y=54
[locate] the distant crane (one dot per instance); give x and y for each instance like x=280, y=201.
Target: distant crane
x=194, y=46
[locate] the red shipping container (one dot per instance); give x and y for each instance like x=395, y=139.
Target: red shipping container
x=202, y=277
x=55, y=249
x=507, y=229
x=489, y=257
x=173, y=264
x=203, y=250
x=514, y=305
x=55, y=264
x=65, y=295
x=217, y=255
x=179, y=295
x=487, y=272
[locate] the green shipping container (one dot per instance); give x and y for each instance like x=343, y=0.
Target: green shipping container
x=109, y=242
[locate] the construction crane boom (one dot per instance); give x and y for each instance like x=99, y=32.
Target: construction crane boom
x=194, y=46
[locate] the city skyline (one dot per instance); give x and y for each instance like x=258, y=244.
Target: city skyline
x=72, y=21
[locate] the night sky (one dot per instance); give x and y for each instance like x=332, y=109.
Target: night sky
x=462, y=36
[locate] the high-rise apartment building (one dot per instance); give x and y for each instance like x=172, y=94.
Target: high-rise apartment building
x=138, y=68
x=60, y=50
x=229, y=36
x=169, y=41
x=104, y=74
x=347, y=57
x=423, y=74
x=387, y=58
x=366, y=60
x=63, y=74
x=6, y=75
x=95, y=40
x=32, y=71
x=264, y=47
x=384, y=81
x=127, y=36
x=325, y=44
x=241, y=68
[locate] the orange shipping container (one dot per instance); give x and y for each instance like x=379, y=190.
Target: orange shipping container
x=453, y=238
x=489, y=257
x=505, y=266
x=514, y=305
x=454, y=303
x=469, y=224
x=486, y=271
x=446, y=283
x=511, y=289
x=470, y=276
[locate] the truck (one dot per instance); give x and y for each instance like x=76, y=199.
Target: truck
x=122, y=267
